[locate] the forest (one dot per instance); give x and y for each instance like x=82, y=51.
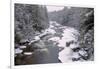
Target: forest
x=44, y=37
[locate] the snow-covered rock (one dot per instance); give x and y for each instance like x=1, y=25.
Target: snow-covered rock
x=18, y=51
x=22, y=47
x=27, y=53
x=49, y=30
x=83, y=53
x=37, y=38
x=54, y=39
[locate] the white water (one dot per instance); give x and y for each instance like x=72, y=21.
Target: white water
x=69, y=34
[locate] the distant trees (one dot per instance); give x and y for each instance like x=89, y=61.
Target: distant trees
x=72, y=17
x=82, y=19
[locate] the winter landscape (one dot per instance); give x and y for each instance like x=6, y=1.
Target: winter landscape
x=53, y=34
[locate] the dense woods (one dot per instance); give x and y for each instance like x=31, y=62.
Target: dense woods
x=29, y=19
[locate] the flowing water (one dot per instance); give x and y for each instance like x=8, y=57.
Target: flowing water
x=52, y=45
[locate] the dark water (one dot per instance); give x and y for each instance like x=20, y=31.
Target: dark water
x=43, y=51
x=47, y=54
